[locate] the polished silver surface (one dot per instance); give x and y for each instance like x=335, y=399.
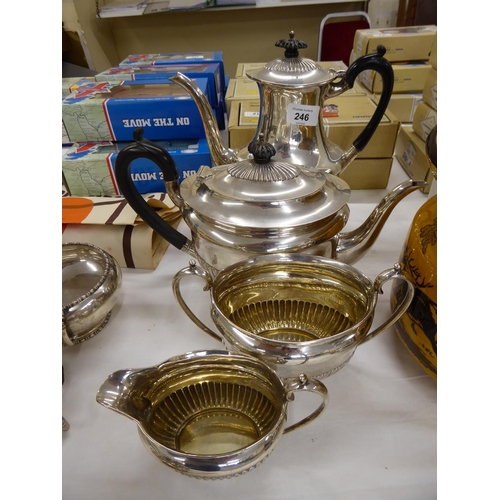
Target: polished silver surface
x=208, y=414
x=232, y=217
x=281, y=192
x=292, y=91
x=296, y=313
x=91, y=280
x=297, y=143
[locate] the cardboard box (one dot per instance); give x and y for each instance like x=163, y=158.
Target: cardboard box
x=433, y=55
x=408, y=77
x=410, y=152
x=66, y=141
x=402, y=106
x=165, y=111
x=352, y=115
x=175, y=58
x=368, y=173
x=429, y=93
x=240, y=89
x=89, y=168
x=344, y=119
x=249, y=113
x=363, y=173
x=424, y=121
x=74, y=83
x=113, y=225
x=240, y=135
x=146, y=73
x=408, y=43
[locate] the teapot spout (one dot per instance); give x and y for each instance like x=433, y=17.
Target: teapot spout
x=122, y=392
x=221, y=155
x=354, y=244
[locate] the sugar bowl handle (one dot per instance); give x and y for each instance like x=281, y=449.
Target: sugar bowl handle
x=193, y=270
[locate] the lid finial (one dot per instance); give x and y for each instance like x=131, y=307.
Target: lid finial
x=261, y=150
x=292, y=45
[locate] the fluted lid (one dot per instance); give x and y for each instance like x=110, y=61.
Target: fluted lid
x=261, y=192
x=291, y=69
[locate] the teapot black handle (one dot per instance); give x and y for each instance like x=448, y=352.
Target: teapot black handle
x=142, y=148
x=380, y=64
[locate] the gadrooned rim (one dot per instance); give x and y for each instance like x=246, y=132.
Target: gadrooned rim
x=101, y=281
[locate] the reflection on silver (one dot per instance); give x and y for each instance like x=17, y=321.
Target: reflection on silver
x=208, y=414
x=299, y=314
x=91, y=280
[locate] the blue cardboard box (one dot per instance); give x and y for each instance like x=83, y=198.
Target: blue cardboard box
x=89, y=168
x=148, y=72
x=164, y=110
x=169, y=58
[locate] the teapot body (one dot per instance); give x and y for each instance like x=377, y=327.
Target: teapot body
x=252, y=228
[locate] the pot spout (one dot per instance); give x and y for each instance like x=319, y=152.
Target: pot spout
x=354, y=244
x=221, y=155
x=122, y=392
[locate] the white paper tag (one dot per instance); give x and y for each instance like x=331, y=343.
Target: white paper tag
x=300, y=114
x=251, y=114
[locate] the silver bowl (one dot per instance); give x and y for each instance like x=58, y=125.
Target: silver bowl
x=91, y=280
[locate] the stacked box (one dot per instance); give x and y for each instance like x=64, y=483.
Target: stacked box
x=344, y=118
x=164, y=110
x=147, y=73
x=402, y=106
x=408, y=49
x=243, y=88
x=73, y=83
x=89, y=168
x=402, y=44
x=176, y=58
x=410, y=146
x=100, y=115
x=408, y=77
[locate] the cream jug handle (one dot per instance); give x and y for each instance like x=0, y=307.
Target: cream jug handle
x=394, y=273
x=302, y=383
x=192, y=270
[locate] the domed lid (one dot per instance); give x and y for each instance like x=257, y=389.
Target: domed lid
x=291, y=69
x=263, y=193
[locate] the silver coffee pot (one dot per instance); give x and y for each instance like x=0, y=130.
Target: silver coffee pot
x=292, y=91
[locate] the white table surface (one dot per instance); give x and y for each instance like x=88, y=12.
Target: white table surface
x=376, y=439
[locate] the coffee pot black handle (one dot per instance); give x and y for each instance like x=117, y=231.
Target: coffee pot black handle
x=381, y=65
x=142, y=148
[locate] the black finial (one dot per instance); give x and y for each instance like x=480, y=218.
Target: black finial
x=261, y=150
x=291, y=45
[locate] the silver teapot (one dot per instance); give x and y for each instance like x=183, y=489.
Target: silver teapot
x=255, y=206
x=292, y=92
